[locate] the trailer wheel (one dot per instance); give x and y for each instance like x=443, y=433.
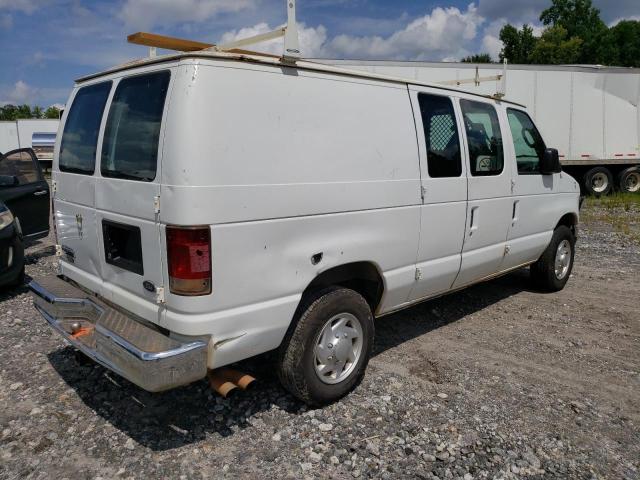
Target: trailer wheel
x=629, y=180
x=326, y=352
x=598, y=181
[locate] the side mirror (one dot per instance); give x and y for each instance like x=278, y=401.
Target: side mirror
x=8, y=181
x=550, y=163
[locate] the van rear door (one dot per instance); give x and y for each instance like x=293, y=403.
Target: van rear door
x=128, y=188
x=107, y=208
x=74, y=192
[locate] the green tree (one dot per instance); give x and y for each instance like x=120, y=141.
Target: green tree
x=52, y=112
x=555, y=48
x=36, y=112
x=580, y=19
x=625, y=36
x=478, y=58
x=517, y=44
x=8, y=112
x=23, y=111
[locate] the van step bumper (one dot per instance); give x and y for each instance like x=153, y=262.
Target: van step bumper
x=133, y=350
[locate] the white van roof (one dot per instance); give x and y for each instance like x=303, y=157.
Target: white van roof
x=266, y=59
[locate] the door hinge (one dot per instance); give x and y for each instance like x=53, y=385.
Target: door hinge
x=418, y=274
x=54, y=186
x=423, y=193
x=507, y=250
x=513, y=185
x=160, y=295
x=156, y=204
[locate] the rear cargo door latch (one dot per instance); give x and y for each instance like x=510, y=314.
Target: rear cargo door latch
x=160, y=295
x=156, y=204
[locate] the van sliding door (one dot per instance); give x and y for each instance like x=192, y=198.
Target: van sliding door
x=444, y=187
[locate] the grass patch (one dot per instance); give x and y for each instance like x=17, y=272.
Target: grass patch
x=624, y=201
x=619, y=212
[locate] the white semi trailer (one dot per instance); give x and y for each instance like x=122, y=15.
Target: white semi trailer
x=589, y=113
x=39, y=134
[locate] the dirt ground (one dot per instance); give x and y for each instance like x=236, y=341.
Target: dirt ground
x=498, y=381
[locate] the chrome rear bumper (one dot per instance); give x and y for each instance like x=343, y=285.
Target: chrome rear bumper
x=128, y=347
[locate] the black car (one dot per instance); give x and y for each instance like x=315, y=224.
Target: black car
x=11, y=249
x=25, y=191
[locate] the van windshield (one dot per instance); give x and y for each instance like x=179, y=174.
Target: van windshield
x=130, y=146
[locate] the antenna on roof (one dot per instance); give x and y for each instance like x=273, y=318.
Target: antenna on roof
x=289, y=32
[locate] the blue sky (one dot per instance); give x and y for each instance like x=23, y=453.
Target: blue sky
x=46, y=44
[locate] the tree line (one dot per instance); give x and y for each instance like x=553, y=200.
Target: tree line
x=19, y=112
x=574, y=33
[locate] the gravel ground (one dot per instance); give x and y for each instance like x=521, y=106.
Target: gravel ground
x=498, y=381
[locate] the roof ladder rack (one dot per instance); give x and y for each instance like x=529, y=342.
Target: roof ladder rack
x=289, y=32
x=477, y=80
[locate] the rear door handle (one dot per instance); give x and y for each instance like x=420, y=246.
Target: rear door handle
x=41, y=192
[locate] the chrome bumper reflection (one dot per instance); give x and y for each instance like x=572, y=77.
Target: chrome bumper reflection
x=128, y=347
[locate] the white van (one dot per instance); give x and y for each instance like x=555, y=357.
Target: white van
x=211, y=207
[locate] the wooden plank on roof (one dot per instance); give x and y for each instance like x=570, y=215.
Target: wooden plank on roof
x=168, y=43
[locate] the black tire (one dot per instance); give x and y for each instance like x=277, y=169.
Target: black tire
x=629, y=180
x=543, y=272
x=296, y=357
x=19, y=280
x=598, y=181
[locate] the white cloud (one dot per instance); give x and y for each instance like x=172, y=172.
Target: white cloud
x=445, y=33
x=26, y=6
x=21, y=92
x=618, y=20
x=148, y=13
x=312, y=40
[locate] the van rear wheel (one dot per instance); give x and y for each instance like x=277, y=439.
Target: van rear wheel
x=552, y=271
x=325, y=355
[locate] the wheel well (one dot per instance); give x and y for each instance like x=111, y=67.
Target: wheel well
x=362, y=277
x=569, y=220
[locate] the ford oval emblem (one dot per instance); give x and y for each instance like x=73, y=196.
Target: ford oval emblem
x=149, y=286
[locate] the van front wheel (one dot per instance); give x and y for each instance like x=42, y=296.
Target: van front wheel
x=552, y=271
x=325, y=356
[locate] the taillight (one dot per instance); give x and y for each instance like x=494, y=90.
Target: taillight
x=189, y=258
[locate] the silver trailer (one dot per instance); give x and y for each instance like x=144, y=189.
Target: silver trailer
x=590, y=114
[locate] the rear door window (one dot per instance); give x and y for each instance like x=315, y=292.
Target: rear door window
x=484, y=138
x=80, y=136
x=441, y=136
x=130, y=145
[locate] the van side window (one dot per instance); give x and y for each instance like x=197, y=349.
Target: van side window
x=441, y=136
x=80, y=136
x=130, y=146
x=484, y=138
x=527, y=142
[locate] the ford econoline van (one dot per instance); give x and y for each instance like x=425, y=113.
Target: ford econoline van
x=210, y=207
